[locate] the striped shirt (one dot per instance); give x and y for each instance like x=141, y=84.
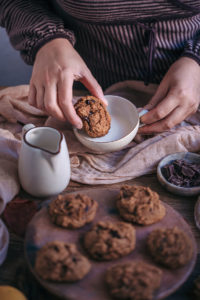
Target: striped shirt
x=118, y=39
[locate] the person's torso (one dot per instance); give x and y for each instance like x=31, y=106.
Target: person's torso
x=121, y=40
x=123, y=11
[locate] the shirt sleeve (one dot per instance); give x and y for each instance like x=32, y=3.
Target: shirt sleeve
x=192, y=48
x=30, y=24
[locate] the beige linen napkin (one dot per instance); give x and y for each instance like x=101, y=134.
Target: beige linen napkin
x=9, y=184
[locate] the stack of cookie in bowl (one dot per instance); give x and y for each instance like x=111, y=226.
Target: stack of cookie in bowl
x=120, y=241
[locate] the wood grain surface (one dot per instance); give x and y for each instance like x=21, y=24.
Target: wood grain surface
x=14, y=270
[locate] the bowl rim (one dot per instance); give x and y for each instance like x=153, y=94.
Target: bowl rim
x=76, y=131
x=173, y=186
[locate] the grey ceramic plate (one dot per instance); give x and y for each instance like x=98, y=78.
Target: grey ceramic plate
x=184, y=191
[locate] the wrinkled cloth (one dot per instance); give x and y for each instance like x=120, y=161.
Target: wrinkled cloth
x=86, y=166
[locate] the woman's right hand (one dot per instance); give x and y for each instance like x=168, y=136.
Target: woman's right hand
x=57, y=65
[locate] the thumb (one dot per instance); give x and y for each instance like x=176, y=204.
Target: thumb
x=160, y=93
x=93, y=86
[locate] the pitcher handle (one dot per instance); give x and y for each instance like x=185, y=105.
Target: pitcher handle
x=142, y=113
x=27, y=127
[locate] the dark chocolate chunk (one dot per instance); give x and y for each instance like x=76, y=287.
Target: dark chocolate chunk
x=114, y=233
x=86, y=119
x=182, y=173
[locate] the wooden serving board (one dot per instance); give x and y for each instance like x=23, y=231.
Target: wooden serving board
x=92, y=287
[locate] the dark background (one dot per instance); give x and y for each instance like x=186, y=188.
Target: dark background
x=13, y=70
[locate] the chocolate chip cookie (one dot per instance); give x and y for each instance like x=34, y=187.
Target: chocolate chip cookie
x=133, y=281
x=59, y=261
x=170, y=247
x=139, y=204
x=94, y=115
x=108, y=240
x=72, y=210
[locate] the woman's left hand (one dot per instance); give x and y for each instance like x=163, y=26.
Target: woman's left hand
x=177, y=97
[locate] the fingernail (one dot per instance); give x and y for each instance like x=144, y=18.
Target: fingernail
x=79, y=125
x=105, y=100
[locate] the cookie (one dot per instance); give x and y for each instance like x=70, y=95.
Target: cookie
x=72, y=210
x=170, y=247
x=61, y=262
x=133, y=281
x=108, y=240
x=139, y=204
x=94, y=115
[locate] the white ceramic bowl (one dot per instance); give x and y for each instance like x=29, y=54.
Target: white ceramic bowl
x=188, y=157
x=124, y=126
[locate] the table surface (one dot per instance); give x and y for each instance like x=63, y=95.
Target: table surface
x=14, y=270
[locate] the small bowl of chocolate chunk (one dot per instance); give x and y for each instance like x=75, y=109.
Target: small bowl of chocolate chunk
x=179, y=173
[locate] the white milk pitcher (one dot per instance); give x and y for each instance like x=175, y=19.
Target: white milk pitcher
x=44, y=165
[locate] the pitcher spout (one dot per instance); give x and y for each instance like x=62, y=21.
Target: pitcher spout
x=44, y=138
